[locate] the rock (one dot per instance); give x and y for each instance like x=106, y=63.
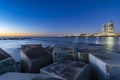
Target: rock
x=3, y=54
x=105, y=66
x=50, y=48
x=60, y=53
x=34, y=57
x=8, y=65
x=25, y=76
x=67, y=70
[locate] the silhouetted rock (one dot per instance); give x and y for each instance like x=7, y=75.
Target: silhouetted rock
x=14, y=38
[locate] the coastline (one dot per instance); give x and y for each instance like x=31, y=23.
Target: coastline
x=14, y=38
x=87, y=36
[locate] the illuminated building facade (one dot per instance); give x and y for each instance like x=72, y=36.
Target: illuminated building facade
x=110, y=28
x=104, y=29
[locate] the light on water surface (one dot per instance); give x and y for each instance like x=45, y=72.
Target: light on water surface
x=109, y=42
x=97, y=40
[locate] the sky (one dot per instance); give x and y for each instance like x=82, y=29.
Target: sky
x=54, y=17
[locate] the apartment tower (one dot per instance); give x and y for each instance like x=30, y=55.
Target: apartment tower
x=104, y=29
x=110, y=28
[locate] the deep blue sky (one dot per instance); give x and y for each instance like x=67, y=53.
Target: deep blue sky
x=58, y=16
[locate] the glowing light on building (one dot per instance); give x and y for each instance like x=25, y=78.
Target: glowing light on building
x=110, y=28
x=104, y=29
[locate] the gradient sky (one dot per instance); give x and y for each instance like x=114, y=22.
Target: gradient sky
x=57, y=16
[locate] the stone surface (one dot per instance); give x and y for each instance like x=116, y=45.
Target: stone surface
x=8, y=65
x=67, y=70
x=25, y=76
x=60, y=53
x=105, y=66
x=3, y=54
x=16, y=76
x=34, y=57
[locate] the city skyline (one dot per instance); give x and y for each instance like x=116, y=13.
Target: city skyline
x=54, y=17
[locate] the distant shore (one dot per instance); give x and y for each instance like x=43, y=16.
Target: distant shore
x=14, y=38
x=87, y=36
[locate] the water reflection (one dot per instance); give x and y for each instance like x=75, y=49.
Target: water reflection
x=86, y=39
x=97, y=40
x=75, y=40
x=109, y=42
x=119, y=40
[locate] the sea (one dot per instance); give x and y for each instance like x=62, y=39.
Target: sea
x=12, y=47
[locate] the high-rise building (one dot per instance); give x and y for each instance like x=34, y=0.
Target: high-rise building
x=110, y=28
x=104, y=29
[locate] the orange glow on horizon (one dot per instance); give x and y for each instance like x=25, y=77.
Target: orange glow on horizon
x=23, y=34
x=18, y=34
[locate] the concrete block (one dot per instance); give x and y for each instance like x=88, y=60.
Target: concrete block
x=34, y=57
x=105, y=66
x=67, y=70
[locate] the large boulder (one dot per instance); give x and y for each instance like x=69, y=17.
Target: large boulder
x=50, y=48
x=105, y=66
x=60, y=53
x=68, y=70
x=34, y=57
x=3, y=54
x=25, y=76
x=7, y=63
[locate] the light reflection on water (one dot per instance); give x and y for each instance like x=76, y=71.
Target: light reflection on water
x=119, y=40
x=97, y=40
x=86, y=40
x=110, y=42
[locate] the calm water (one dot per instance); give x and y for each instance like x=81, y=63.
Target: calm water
x=13, y=46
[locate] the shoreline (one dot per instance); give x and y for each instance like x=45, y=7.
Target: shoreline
x=14, y=38
x=86, y=36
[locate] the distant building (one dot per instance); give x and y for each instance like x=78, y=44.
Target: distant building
x=104, y=29
x=110, y=28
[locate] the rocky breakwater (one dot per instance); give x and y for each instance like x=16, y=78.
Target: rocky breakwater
x=14, y=38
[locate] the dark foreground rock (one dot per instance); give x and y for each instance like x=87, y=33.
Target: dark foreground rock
x=60, y=53
x=68, y=70
x=7, y=63
x=105, y=66
x=3, y=54
x=34, y=57
x=25, y=76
